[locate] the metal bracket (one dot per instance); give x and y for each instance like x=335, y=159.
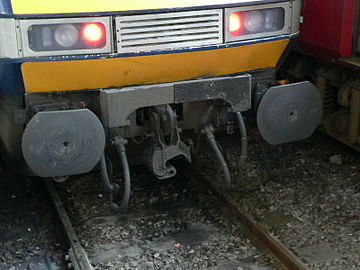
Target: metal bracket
x=236, y=91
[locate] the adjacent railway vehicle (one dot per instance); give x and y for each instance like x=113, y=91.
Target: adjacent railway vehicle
x=77, y=77
x=328, y=53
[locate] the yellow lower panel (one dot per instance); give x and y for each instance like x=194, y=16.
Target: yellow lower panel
x=150, y=69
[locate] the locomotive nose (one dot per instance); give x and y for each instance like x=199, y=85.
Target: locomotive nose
x=289, y=112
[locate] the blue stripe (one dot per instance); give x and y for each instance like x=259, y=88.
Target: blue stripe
x=110, y=56
x=137, y=12
x=11, y=83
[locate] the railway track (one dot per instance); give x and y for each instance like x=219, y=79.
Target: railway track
x=173, y=224
x=262, y=239
x=145, y=233
x=76, y=257
x=28, y=237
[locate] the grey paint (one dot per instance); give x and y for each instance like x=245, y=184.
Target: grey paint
x=289, y=113
x=9, y=46
x=296, y=10
x=60, y=143
x=118, y=104
x=234, y=90
x=147, y=32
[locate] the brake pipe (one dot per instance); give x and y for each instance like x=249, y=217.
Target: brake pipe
x=109, y=188
x=243, y=137
x=120, y=146
x=208, y=132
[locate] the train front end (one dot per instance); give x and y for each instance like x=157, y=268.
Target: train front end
x=77, y=77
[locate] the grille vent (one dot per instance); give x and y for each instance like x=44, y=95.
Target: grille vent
x=174, y=30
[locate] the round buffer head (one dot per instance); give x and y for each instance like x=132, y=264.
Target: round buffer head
x=289, y=113
x=60, y=143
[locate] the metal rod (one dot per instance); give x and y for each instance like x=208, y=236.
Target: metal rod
x=243, y=136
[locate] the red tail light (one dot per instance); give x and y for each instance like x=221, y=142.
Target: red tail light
x=236, y=23
x=67, y=36
x=246, y=24
x=93, y=33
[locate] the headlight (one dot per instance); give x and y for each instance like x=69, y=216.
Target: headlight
x=55, y=37
x=256, y=22
x=66, y=36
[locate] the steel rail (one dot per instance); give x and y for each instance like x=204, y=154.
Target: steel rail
x=262, y=239
x=77, y=254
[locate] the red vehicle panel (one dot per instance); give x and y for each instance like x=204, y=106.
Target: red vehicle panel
x=328, y=27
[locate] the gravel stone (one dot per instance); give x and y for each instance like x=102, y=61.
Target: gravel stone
x=306, y=193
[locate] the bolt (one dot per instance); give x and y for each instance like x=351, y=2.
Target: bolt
x=67, y=257
x=69, y=265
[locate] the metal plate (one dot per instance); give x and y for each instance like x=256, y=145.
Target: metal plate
x=60, y=143
x=289, y=112
x=235, y=90
x=170, y=30
x=8, y=49
x=118, y=104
